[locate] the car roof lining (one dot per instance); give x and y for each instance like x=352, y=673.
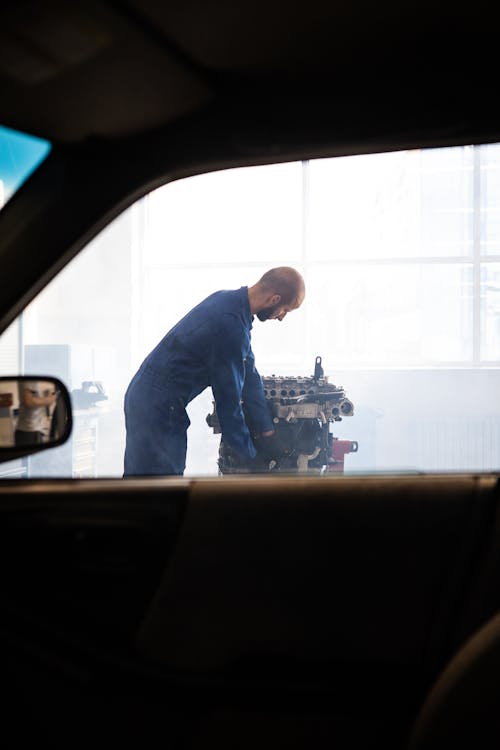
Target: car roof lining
x=73, y=71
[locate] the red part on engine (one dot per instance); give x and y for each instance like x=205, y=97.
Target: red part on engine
x=340, y=448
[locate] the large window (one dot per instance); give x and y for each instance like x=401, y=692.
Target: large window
x=401, y=256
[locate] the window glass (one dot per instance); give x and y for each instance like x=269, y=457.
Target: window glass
x=256, y=214
x=364, y=208
x=404, y=204
x=402, y=274
x=392, y=314
x=20, y=155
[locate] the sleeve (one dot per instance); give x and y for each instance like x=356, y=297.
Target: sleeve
x=254, y=400
x=227, y=376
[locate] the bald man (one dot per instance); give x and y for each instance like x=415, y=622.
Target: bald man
x=210, y=346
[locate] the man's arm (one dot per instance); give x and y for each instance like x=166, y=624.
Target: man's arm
x=254, y=400
x=227, y=377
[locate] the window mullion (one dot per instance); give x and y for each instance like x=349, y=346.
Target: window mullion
x=476, y=256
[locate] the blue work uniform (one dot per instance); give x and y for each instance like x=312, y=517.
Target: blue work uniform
x=210, y=346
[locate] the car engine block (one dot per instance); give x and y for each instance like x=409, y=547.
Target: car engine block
x=303, y=410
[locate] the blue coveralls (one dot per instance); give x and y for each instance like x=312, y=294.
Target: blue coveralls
x=210, y=346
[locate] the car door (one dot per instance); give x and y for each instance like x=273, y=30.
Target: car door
x=280, y=610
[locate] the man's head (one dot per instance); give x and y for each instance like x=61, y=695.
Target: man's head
x=277, y=293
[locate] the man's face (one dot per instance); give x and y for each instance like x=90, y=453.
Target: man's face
x=277, y=311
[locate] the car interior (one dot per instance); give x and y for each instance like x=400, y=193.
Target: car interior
x=345, y=609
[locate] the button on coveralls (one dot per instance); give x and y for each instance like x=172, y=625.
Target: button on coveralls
x=210, y=346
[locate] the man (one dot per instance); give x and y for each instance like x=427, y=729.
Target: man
x=210, y=346
x=35, y=401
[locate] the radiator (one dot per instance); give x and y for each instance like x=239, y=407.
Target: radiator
x=458, y=443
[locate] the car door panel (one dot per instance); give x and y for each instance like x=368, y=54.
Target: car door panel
x=305, y=580
x=240, y=604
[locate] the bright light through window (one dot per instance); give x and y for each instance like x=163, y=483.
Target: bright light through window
x=401, y=257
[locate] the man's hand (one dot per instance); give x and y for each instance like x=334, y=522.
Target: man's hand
x=269, y=447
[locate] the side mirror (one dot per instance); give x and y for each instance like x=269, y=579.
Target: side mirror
x=35, y=414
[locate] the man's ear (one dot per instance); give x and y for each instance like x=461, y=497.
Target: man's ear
x=274, y=299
